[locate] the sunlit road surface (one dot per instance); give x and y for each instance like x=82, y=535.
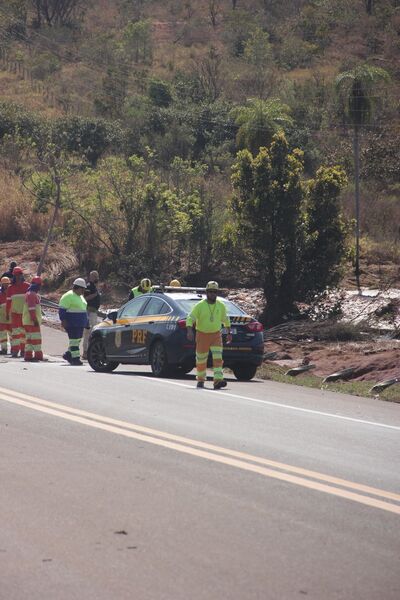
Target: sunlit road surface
x=124, y=486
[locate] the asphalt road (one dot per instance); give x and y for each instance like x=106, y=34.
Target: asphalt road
x=121, y=486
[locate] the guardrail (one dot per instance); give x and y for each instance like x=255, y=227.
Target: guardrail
x=47, y=303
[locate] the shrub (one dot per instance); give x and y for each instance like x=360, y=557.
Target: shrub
x=43, y=65
x=160, y=93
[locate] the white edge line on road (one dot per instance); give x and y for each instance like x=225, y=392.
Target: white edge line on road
x=271, y=403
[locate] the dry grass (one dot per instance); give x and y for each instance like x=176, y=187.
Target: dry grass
x=355, y=388
x=17, y=220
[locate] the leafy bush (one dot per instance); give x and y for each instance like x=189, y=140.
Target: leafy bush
x=160, y=93
x=295, y=52
x=43, y=65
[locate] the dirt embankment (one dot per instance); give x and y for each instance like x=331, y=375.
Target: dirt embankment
x=61, y=261
x=372, y=360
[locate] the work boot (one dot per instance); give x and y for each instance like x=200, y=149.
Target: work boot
x=220, y=383
x=3, y=351
x=76, y=362
x=14, y=354
x=67, y=356
x=200, y=384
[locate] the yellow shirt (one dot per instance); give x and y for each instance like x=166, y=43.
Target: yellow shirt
x=209, y=317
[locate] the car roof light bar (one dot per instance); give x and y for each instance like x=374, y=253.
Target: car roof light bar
x=171, y=288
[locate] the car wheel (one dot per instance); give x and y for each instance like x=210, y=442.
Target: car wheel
x=159, y=360
x=244, y=372
x=97, y=357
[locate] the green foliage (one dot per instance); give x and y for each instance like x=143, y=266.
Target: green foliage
x=314, y=24
x=137, y=42
x=43, y=189
x=258, y=121
x=258, y=54
x=109, y=103
x=381, y=158
x=295, y=53
x=90, y=138
x=282, y=227
x=356, y=87
x=127, y=208
x=160, y=93
x=238, y=26
x=326, y=233
x=258, y=50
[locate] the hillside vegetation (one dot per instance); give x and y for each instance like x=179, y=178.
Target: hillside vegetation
x=130, y=118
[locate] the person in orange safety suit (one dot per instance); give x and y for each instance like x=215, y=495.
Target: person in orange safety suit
x=14, y=309
x=31, y=319
x=5, y=327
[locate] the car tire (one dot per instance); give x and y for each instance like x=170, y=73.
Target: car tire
x=97, y=357
x=159, y=360
x=244, y=372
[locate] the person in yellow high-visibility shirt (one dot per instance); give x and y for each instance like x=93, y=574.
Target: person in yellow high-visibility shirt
x=144, y=287
x=210, y=316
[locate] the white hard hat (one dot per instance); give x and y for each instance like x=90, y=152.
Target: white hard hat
x=80, y=282
x=212, y=285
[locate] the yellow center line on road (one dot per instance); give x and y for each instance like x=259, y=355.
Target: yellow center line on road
x=206, y=446
x=207, y=451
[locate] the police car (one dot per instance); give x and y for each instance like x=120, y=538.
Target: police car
x=151, y=330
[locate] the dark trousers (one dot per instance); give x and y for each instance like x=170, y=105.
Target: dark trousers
x=75, y=335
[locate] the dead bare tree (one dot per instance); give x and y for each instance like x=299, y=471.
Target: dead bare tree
x=214, y=10
x=56, y=12
x=211, y=74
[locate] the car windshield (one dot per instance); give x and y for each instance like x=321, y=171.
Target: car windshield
x=232, y=309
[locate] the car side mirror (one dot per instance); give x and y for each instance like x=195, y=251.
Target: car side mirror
x=112, y=315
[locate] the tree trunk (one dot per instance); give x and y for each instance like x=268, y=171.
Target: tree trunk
x=57, y=206
x=357, y=203
x=369, y=5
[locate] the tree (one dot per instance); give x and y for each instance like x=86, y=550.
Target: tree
x=137, y=41
x=356, y=88
x=258, y=53
x=369, y=5
x=160, y=93
x=281, y=225
x=214, y=10
x=211, y=74
x=110, y=101
x=258, y=121
x=57, y=12
x=326, y=233
x=46, y=176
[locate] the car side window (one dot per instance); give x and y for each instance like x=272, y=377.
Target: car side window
x=156, y=306
x=133, y=308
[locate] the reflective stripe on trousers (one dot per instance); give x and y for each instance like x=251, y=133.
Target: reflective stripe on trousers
x=75, y=337
x=204, y=343
x=17, y=333
x=5, y=333
x=33, y=342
